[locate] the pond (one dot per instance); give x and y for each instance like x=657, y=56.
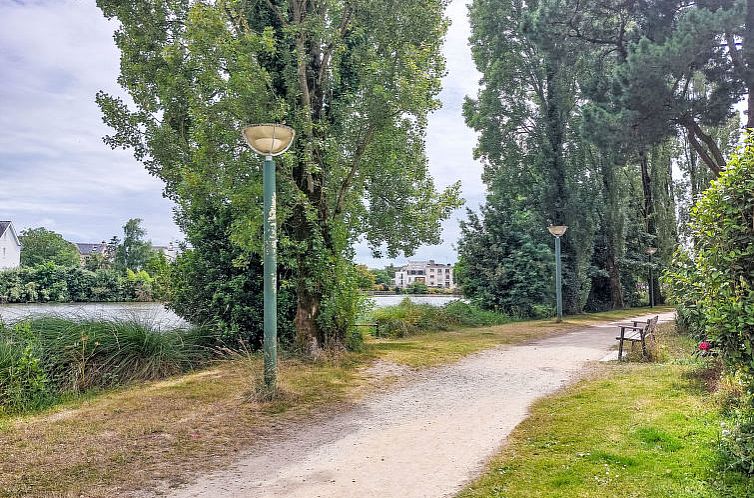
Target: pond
x=156, y=312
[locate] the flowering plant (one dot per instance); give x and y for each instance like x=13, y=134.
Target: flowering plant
x=706, y=348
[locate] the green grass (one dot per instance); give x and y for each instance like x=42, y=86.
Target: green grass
x=123, y=438
x=636, y=430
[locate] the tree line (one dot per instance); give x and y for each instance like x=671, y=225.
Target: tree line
x=609, y=117
x=52, y=270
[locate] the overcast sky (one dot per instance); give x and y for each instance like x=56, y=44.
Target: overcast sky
x=56, y=172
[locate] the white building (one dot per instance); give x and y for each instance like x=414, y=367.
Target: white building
x=170, y=251
x=429, y=273
x=10, y=246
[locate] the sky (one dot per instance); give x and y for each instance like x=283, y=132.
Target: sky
x=56, y=172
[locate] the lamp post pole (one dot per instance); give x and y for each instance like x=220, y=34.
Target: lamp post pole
x=270, y=274
x=558, y=231
x=270, y=140
x=558, y=281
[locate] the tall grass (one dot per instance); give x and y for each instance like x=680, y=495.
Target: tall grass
x=44, y=358
x=409, y=318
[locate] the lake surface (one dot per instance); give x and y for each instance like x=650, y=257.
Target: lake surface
x=156, y=312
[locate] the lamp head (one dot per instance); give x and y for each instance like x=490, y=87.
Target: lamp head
x=651, y=250
x=557, y=230
x=269, y=139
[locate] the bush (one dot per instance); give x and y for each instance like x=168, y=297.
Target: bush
x=714, y=287
x=722, y=282
x=409, y=318
x=685, y=290
x=737, y=441
x=24, y=385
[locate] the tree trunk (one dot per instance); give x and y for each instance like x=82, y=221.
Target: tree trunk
x=614, y=231
x=308, y=339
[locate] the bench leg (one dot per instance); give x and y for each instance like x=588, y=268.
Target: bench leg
x=620, y=344
x=643, y=347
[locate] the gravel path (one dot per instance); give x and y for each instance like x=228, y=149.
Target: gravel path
x=426, y=437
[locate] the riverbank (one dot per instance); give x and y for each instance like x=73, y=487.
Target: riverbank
x=126, y=439
x=156, y=312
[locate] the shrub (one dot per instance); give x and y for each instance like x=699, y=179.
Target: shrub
x=409, y=318
x=24, y=384
x=723, y=230
x=737, y=441
x=686, y=290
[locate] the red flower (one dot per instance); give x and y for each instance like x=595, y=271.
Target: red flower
x=705, y=346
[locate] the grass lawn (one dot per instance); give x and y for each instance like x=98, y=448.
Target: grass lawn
x=633, y=430
x=107, y=443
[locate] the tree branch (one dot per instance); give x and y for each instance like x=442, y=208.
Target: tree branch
x=347, y=181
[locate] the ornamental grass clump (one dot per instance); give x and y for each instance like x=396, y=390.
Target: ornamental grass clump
x=47, y=357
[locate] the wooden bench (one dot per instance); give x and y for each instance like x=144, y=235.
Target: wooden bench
x=638, y=331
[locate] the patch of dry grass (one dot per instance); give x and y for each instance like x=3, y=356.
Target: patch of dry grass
x=128, y=439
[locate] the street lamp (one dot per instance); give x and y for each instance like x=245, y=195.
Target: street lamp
x=558, y=231
x=650, y=251
x=269, y=140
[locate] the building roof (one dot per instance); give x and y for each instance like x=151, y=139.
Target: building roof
x=3, y=227
x=87, y=249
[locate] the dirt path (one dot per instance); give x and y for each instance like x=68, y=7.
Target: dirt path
x=426, y=437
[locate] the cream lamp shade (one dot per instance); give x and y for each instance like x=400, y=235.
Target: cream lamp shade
x=651, y=250
x=269, y=139
x=557, y=230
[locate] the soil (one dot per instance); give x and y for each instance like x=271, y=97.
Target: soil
x=426, y=435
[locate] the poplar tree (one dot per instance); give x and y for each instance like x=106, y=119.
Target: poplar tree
x=355, y=78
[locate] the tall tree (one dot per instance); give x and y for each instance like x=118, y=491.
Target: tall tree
x=355, y=78
x=134, y=252
x=39, y=246
x=526, y=113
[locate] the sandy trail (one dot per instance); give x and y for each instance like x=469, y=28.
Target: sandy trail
x=427, y=437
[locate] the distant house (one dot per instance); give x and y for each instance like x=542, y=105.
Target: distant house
x=10, y=246
x=170, y=251
x=429, y=273
x=87, y=250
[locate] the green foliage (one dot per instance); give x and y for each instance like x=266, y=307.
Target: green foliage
x=42, y=359
x=356, y=80
x=686, y=291
x=42, y=246
x=723, y=229
x=134, y=252
x=51, y=283
x=417, y=288
x=408, y=318
x=501, y=266
x=24, y=384
x=365, y=278
x=737, y=441
x=218, y=284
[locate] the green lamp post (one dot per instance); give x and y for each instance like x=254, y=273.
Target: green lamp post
x=650, y=252
x=558, y=231
x=269, y=140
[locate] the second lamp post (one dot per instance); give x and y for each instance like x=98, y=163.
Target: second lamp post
x=269, y=140
x=558, y=231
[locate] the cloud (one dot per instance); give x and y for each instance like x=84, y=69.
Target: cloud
x=450, y=143
x=55, y=171
x=53, y=165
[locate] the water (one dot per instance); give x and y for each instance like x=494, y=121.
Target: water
x=153, y=312
x=392, y=300
x=156, y=312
